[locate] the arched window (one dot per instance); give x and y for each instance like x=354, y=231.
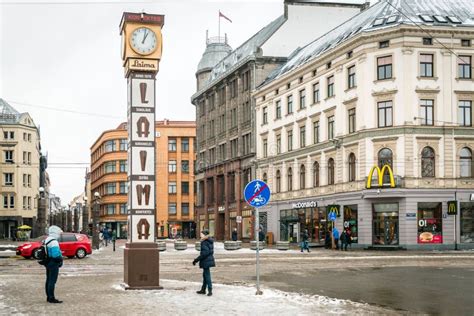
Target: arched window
x=385, y=157
x=290, y=179
x=316, y=174
x=302, y=177
x=278, y=181
x=331, y=171
x=427, y=162
x=352, y=167
x=466, y=163
x=264, y=177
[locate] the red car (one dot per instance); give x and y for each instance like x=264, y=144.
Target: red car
x=71, y=245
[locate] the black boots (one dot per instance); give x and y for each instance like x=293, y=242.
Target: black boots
x=202, y=291
x=54, y=301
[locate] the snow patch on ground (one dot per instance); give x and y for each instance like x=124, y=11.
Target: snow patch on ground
x=4, y=308
x=176, y=298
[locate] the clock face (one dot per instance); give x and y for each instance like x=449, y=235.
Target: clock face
x=143, y=41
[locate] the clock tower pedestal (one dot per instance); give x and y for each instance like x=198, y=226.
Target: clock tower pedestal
x=141, y=54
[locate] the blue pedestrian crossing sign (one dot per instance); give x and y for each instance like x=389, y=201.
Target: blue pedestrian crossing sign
x=332, y=216
x=257, y=193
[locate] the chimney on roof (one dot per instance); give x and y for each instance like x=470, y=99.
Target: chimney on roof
x=165, y=121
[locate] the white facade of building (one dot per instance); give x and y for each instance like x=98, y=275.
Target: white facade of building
x=391, y=96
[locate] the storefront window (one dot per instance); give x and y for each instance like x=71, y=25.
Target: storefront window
x=294, y=222
x=467, y=222
x=430, y=227
x=350, y=221
x=211, y=228
x=246, y=227
x=385, y=223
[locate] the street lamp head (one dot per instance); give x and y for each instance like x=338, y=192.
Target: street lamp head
x=85, y=198
x=41, y=189
x=96, y=194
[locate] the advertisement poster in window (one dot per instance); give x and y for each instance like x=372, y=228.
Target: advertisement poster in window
x=430, y=228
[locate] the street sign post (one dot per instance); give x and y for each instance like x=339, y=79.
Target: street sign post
x=332, y=216
x=257, y=194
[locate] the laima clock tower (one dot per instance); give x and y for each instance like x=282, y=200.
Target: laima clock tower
x=141, y=54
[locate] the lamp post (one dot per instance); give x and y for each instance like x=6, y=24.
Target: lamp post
x=95, y=220
x=41, y=213
x=85, y=218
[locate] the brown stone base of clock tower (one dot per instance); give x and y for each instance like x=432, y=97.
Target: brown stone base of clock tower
x=141, y=266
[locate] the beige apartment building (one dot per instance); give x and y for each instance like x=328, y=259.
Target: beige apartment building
x=373, y=121
x=175, y=157
x=19, y=170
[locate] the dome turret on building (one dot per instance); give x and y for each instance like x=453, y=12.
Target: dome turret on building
x=217, y=49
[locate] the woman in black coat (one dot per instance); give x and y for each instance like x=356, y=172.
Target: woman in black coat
x=206, y=261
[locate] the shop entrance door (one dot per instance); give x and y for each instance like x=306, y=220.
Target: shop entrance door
x=385, y=224
x=294, y=232
x=220, y=226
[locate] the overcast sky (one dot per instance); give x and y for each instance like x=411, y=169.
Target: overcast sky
x=67, y=56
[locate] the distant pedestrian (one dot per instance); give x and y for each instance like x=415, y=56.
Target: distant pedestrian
x=106, y=236
x=327, y=240
x=344, y=238
x=304, y=242
x=234, y=234
x=349, y=237
x=261, y=234
x=114, y=238
x=206, y=261
x=335, y=235
x=54, y=261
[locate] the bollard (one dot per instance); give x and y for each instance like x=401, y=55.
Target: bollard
x=180, y=245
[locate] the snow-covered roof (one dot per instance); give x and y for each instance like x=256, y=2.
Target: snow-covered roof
x=382, y=15
x=8, y=114
x=241, y=54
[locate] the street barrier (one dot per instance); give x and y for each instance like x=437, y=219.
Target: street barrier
x=283, y=245
x=253, y=245
x=232, y=245
x=180, y=245
x=161, y=245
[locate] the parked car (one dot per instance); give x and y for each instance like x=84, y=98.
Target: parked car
x=71, y=245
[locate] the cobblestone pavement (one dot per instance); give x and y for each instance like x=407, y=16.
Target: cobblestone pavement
x=322, y=281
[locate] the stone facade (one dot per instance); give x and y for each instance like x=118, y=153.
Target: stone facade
x=382, y=97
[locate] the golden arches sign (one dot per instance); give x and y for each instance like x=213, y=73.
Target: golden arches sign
x=380, y=174
x=333, y=208
x=452, y=207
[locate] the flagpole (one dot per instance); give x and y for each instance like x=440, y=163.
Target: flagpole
x=219, y=34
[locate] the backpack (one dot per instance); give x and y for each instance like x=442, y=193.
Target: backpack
x=42, y=253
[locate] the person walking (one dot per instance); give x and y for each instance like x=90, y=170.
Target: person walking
x=206, y=261
x=335, y=235
x=54, y=262
x=234, y=234
x=304, y=242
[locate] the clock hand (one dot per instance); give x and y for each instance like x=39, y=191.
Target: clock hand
x=144, y=37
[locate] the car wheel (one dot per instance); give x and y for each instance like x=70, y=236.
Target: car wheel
x=81, y=253
x=36, y=253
